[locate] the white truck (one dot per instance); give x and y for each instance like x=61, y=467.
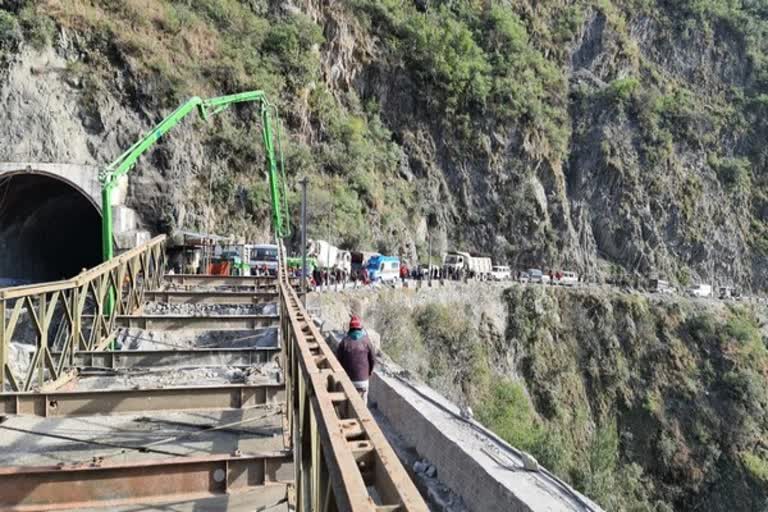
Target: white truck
x=478, y=266
x=262, y=259
x=700, y=290
x=329, y=256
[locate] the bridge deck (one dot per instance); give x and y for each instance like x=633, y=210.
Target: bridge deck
x=143, y=391
x=190, y=410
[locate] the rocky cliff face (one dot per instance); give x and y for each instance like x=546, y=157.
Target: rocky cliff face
x=606, y=136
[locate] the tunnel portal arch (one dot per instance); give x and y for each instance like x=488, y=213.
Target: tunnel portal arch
x=50, y=223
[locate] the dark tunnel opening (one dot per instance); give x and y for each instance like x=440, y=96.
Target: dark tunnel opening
x=49, y=230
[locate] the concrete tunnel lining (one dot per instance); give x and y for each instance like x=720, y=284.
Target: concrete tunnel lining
x=50, y=229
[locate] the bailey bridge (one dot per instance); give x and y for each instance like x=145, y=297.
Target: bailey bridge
x=125, y=388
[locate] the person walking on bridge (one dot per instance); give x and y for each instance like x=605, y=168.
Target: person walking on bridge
x=357, y=356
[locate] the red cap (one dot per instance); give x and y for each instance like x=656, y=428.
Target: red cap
x=355, y=323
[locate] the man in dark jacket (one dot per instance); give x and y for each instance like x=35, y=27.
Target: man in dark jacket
x=357, y=356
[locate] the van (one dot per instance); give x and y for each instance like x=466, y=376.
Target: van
x=384, y=268
x=568, y=279
x=501, y=273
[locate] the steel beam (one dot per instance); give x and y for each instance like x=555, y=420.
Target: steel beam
x=73, y=487
x=122, y=401
x=340, y=450
x=210, y=297
x=218, y=322
x=162, y=358
x=209, y=280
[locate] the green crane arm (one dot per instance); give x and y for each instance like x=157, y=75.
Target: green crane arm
x=206, y=108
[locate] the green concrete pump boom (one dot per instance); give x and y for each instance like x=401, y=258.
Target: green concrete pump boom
x=206, y=108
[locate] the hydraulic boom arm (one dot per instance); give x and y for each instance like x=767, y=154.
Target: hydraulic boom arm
x=206, y=108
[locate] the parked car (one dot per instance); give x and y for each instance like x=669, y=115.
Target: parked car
x=524, y=277
x=568, y=279
x=537, y=276
x=501, y=273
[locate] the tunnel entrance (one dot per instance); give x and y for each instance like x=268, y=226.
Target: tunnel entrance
x=49, y=230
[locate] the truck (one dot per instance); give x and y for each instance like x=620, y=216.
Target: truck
x=294, y=265
x=384, y=268
x=661, y=286
x=700, y=290
x=360, y=259
x=479, y=267
x=330, y=257
x=263, y=259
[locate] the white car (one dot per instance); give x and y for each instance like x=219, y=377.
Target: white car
x=501, y=273
x=569, y=279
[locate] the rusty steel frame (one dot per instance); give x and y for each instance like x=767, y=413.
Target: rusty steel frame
x=120, y=359
x=65, y=487
x=115, y=288
x=213, y=280
x=125, y=401
x=217, y=322
x=338, y=447
x=211, y=297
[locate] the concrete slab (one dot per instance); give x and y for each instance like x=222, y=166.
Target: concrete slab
x=149, y=339
x=162, y=308
x=32, y=441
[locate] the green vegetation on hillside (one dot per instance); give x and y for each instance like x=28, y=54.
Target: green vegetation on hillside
x=643, y=406
x=174, y=49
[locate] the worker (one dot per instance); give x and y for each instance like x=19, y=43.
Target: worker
x=356, y=355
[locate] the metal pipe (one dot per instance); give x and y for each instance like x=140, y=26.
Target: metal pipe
x=304, y=240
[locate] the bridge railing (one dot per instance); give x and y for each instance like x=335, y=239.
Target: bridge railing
x=343, y=461
x=78, y=314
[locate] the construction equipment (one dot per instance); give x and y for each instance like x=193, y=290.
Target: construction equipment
x=206, y=108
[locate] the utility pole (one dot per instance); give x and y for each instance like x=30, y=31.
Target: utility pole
x=429, y=254
x=304, y=241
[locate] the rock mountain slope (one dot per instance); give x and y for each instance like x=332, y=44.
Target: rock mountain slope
x=644, y=403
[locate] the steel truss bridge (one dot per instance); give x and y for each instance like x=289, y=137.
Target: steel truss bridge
x=125, y=388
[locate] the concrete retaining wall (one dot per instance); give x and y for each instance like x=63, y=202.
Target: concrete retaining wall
x=460, y=451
